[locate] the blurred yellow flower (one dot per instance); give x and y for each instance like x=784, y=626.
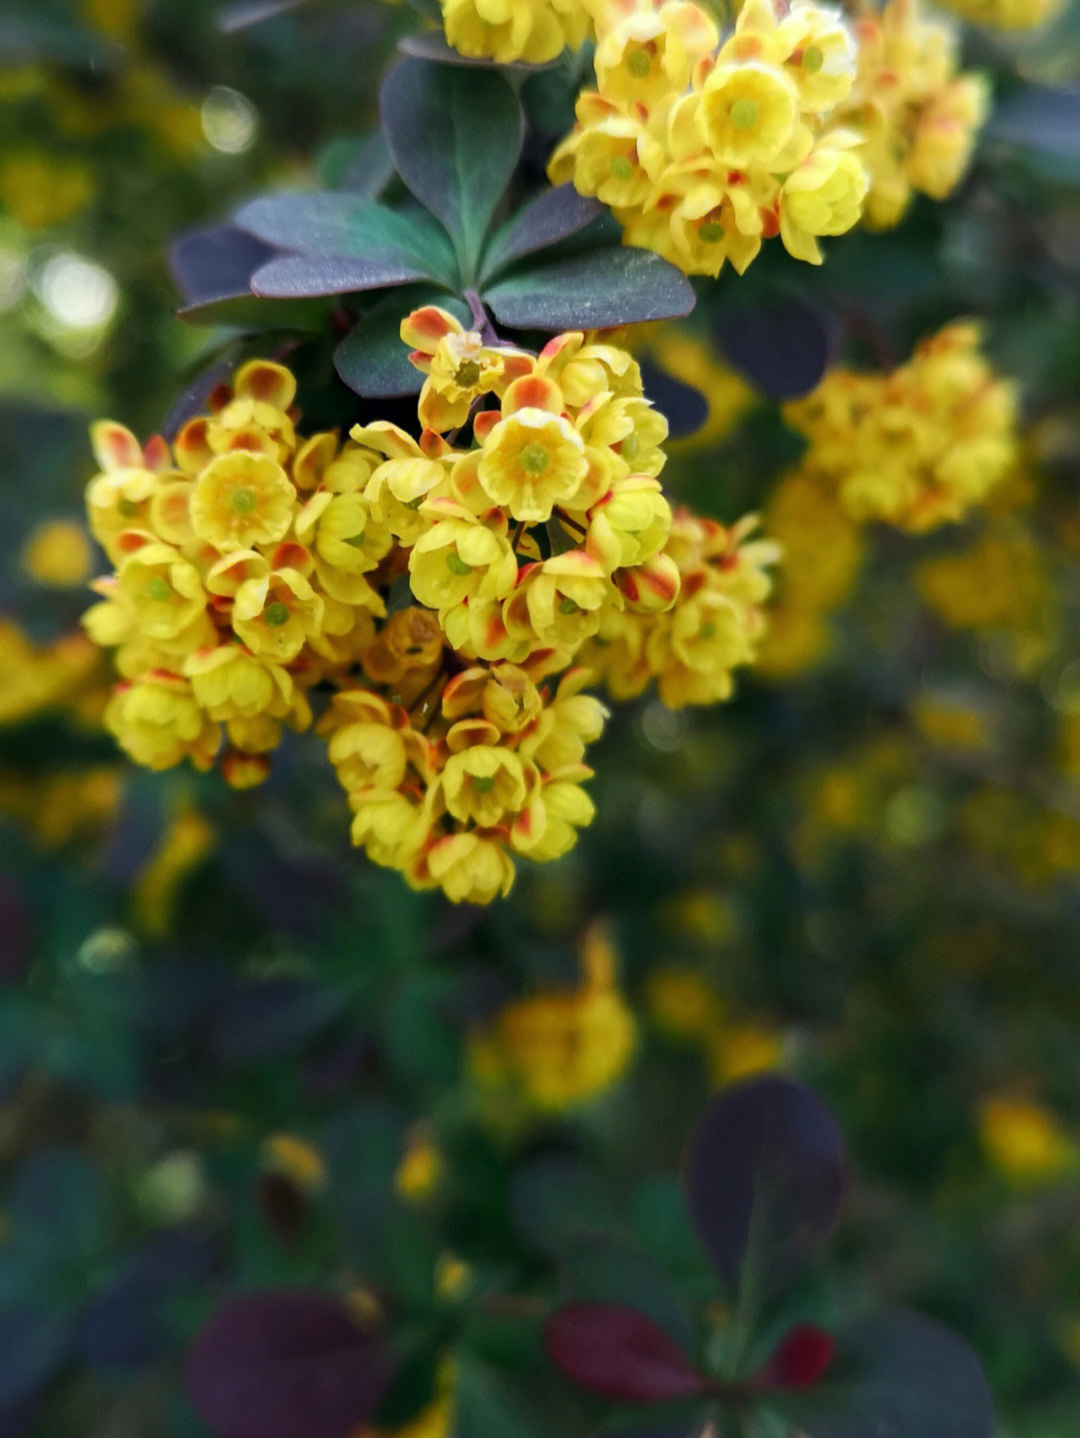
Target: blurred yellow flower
x=563, y=1047
x=57, y=553
x=1025, y=1140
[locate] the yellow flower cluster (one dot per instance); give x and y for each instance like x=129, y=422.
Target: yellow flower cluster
x=434, y=586
x=240, y=560
x=918, y=447
x=691, y=648
x=507, y=30
x=703, y=150
x=917, y=117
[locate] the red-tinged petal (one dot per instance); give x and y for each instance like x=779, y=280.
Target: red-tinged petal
x=114, y=446
x=533, y=391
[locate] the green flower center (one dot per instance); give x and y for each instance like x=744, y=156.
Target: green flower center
x=127, y=508
x=710, y=232
x=621, y=167
x=567, y=606
x=468, y=374
x=354, y=541
x=812, y=60
x=276, y=614
x=631, y=446
x=243, y=500
x=483, y=783
x=744, y=114
x=707, y=630
x=638, y=63
x=457, y=565
x=159, y=589
x=535, y=459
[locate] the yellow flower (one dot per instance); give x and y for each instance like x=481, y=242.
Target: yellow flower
x=819, y=54
x=242, y=499
x=561, y=600
x=158, y=721
x=487, y=785
x=532, y=460
x=231, y=683
x=276, y=614
x=390, y=826
x=648, y=58
x=822, y=196
x=459, y=559
x=459, y=366
x=748, y=115
x=471, y=867
x=507, y=30
x=57, y=553
x=162, y=591
x=567, y=1047
x=1025, y=1141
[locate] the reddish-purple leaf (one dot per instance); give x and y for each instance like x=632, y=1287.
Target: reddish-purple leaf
x=619, y=1353
x=286, y=1363
x=765, y=1170
x=799, y=1360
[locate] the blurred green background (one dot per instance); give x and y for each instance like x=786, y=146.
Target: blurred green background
x=217, y=1021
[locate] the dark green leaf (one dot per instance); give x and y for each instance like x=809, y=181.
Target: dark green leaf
x=336, y=223
x=896, y=1373
x=598, y=290
x=308, y=276
x=373, y=361
x=455, y=135
x=549, y=217
x=558, y=1198
x=363, y=166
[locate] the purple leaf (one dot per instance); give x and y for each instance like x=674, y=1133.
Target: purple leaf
x=213, y=265
x=552, y=216
x=617, y=285
x=765, y=1170
x=286, y=1364
x=619, y=1353
x=896, y=1373
x=291, y=277
x=779, y=344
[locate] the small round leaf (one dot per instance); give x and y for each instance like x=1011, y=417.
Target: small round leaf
x=765, y=1171
x=286, y=1364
